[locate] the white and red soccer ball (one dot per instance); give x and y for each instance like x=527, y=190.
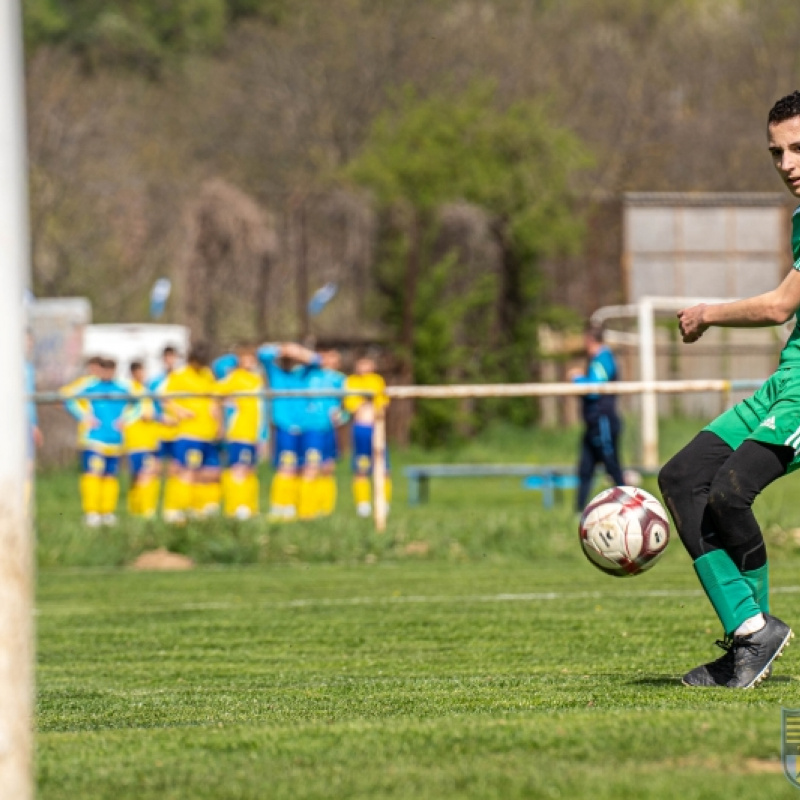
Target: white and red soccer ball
x=624, y=531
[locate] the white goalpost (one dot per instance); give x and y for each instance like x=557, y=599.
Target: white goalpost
x=644, y=312
x=16, y=552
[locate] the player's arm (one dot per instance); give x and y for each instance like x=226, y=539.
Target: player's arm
x=76, y=408
x=132, y=412
x=171, y=407
x=301, y=354
x=771, y=308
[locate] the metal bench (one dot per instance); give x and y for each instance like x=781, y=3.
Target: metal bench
x=546, y=478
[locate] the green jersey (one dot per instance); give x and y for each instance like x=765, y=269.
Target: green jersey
x=790, y=355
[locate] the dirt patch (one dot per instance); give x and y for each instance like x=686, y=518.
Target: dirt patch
x=763, y=765
x=417, y=548
x=162, y=560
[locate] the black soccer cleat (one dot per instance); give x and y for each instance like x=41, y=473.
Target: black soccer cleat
x=715, y=673
x=753, y=654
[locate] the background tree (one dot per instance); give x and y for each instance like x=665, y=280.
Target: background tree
x=510, y=161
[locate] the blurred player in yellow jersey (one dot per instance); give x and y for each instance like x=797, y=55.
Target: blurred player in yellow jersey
x=141, y=443
x=363, y=411
x=199, y=426
x=167, y=463
x=244, y=422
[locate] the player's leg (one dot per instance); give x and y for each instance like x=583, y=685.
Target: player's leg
x=109, y=490
x=587, y=461
x=330, y=454
x=238, y=501
x=685, y=483
x=174, y=502
x=207, y=490
x=308, y=503
x=362, y=469
x=610, y=428
x=178, y=501
x=134, y=460
x=758, y=637
x=283, y=489
x=148, y=486
x=93, y=467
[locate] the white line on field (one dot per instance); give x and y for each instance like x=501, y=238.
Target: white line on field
x=421, y=599
x=527, y=597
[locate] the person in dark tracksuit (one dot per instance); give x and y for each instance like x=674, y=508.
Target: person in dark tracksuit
x=600, y=442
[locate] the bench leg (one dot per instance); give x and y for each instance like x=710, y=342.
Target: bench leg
x=424, y=489
x=413, y=491
x=547, y=492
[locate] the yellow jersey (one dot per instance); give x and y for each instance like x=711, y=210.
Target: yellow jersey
x=371, y=382
x=244, y=416
x=144, y=434
x=201, y=424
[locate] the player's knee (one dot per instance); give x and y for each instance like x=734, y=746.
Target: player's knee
x=675, y=476
x=726, y=494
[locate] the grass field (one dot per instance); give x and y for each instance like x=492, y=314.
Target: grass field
x=469, y=652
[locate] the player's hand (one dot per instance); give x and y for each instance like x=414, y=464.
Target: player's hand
x=292, y=350
x=92, y=423
x=38, y=438
x=691, y=323
x=573, y=373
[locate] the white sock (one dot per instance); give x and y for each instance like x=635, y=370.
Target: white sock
x=751, y=625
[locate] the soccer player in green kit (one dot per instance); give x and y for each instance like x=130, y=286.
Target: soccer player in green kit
x=710, y=485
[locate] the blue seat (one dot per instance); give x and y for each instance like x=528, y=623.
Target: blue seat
x=548, y=483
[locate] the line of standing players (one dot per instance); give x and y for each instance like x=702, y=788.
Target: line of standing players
x=195, y=447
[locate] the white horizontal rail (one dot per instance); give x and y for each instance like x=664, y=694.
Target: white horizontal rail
x=444, y=392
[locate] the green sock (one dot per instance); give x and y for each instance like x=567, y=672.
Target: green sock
x=727, y=589
x=758, y=581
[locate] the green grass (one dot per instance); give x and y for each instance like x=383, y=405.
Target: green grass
x=495, y=663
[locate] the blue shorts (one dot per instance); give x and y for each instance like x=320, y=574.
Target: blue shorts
x=93, y=463
x=241, y=454
x=288, y=450
x=362, y=450
x=319, y=447
x=195, y=454
x=142, y=459
x=166, y=450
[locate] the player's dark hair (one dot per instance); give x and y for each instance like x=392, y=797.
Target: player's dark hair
x=786, y=108
x=108, y=363
x=94, y=361
x=594, y=331
x=169, y=350
x=200, y=353
x=135, y=365
x=245, y=348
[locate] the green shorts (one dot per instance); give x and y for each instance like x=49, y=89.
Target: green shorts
x=771, y=415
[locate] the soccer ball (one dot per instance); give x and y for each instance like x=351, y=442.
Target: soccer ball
x=624, y=531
